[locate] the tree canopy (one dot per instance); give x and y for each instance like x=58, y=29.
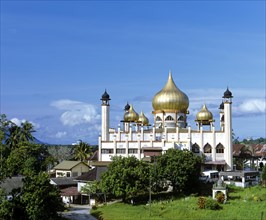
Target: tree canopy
x=28, y=159
x=37, y=199
x=126, y=177
x=82, y=151
x=180, y=167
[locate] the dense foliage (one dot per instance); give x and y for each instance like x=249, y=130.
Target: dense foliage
x=180, y=167
x=40, y=199
x=126, y=177
x=28, y=159
x=82, y=151
x=37, y=199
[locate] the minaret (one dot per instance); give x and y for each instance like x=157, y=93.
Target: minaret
x=126, y=122
x=221, y=116
x=228, y=128
x=105, y=116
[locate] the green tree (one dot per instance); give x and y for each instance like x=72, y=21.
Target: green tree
x=28, y=159
x=126, y=177
x=180, y=167
x=4, y=150
x=17, y=134
x=40, y=199
x=90, y=188
x=82, y=151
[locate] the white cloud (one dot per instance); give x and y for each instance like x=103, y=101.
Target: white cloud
x=18, y=122
x=251, y=106
x=76, y=112
x=60, y=134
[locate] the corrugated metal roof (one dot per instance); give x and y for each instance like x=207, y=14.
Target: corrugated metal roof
x=12, y=183
x=68, y=165
x=63, y=181
x=94, y=174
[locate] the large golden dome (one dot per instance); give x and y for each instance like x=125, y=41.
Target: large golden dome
x=170, y=98
x=204, y=115
x=131, y=115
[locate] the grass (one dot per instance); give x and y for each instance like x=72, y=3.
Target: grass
x=249, y=203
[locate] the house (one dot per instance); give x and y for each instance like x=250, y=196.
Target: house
x=68, y=189
x=71, y=168
x=63, y=182
x=93, y=175
x=254, y=154
x=70, y=195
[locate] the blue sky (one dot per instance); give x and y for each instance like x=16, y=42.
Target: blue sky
x=58, y=57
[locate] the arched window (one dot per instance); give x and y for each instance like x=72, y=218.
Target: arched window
x=220, y=149
x=195, y=148
x=158, y=118
x=181, y=118
x=169, y=118
x=222, y=118
x=207, y=148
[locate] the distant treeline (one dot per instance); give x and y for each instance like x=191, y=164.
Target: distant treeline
x=260, y=140
x=64, y=152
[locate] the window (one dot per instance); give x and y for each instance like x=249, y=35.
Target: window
x=181, y=118
x=68, y=174
x=207, y=148
x=107, y=151
x=120, y=151
x=195, y=148
x=169, y=118
x=220, y=149
x=60, y=174
x=133, y=151
x=158, y=118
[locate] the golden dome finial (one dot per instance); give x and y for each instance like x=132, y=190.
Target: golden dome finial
x=170, y=74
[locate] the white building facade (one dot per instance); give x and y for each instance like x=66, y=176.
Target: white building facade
x=137, y=137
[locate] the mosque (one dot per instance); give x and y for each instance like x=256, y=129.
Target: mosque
x=136, y=136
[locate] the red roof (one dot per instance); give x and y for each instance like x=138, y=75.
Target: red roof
x=70, y=191
x=255, y=150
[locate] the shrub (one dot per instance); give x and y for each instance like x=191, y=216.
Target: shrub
x=201, y=202
x=220, y=197
x=94, y=207
x=257, y=198
x=211, y=204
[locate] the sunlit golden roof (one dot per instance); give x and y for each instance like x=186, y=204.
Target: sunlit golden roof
x=170, y=98
x=143, y=119
x=204, y=115
x=131, y=115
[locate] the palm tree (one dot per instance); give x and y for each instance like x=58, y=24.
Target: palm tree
x=25, y=131
x=82, y=151
x=17, y=134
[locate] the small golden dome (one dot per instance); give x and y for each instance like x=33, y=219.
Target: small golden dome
x=143, y=119
x=131, y=115
x=170, y=98
x=204, y=115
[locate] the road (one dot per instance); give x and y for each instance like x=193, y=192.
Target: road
x=78, y=212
